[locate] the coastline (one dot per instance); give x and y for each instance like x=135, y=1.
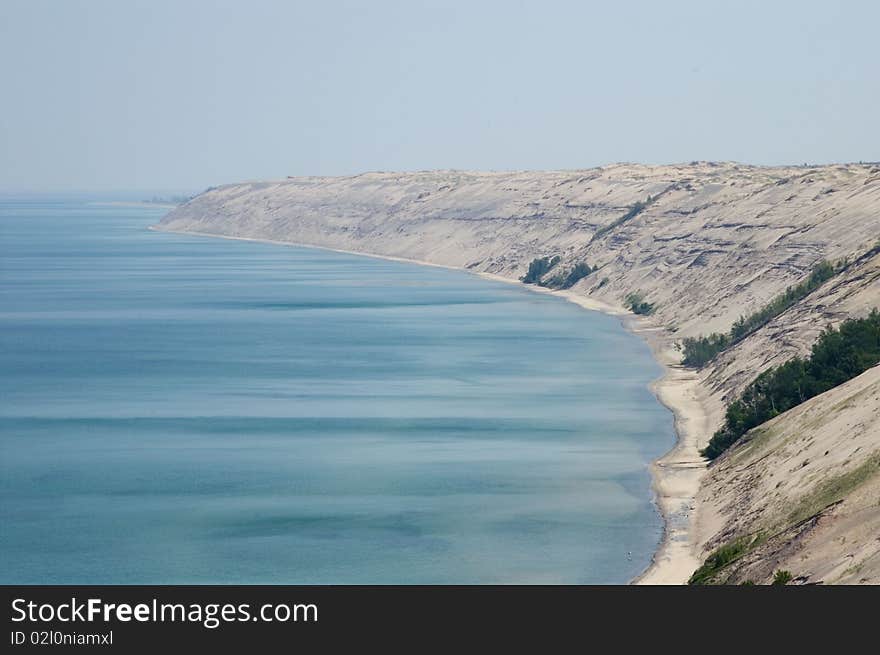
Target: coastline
x=677, y=474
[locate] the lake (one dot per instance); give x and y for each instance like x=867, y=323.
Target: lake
x=181, y=409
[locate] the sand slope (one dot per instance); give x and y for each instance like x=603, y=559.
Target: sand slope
x=807, y=482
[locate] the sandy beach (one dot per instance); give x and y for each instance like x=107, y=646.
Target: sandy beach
x=676, y=475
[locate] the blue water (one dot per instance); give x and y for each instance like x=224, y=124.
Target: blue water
x=177, y=409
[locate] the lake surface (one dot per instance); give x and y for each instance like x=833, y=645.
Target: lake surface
x=179, y=409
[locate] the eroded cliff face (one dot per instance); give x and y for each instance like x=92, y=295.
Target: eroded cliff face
x=705, y=243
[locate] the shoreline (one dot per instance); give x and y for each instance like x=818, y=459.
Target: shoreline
x=676, y=475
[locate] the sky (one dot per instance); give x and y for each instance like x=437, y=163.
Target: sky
x=181, y=95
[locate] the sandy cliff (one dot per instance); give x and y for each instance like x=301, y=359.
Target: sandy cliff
x=706, y=243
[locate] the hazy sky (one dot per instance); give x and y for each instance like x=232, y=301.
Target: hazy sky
x=181, y=95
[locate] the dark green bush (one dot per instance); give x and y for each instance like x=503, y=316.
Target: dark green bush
x=569, y=279
x=539, y=267
x=821, y=272
x=838, y=355
x=637, y=304
x=718, y=560
x=631, y=213
x=782, y=577
x=698, y=351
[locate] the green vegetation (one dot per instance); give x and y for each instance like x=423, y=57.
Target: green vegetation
x=782, y=577
x=821, y=272
x=568, y=280
x=835, y=489
x=698, y=351
x=839, y=355
x=719, y=559
x=636, y=302
x=539, y=267
x=631, y=213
